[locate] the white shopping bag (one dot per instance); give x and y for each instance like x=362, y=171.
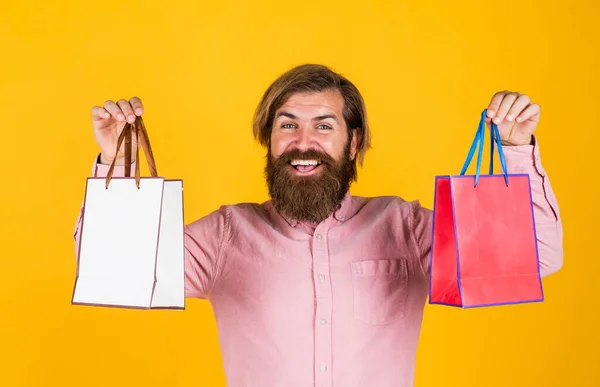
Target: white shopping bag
x=131, y=252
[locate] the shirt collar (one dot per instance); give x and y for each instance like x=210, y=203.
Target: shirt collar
x=343, y=211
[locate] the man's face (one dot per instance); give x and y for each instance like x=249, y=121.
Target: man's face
x=310, y=162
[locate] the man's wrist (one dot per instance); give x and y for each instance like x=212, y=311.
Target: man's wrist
x=120, y=161
x=531, y=142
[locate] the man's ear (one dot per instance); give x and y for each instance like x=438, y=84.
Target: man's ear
x=354, y=143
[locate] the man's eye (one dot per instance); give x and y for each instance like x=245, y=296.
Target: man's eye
x=288, y=126
x=323, y=126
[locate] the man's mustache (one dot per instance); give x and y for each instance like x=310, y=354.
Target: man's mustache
x=310, y=154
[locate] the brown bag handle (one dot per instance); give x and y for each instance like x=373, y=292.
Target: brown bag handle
x=141, y=135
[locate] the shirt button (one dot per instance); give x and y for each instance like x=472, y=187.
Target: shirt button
x=323, y=368
x=319, y=236
x=323, y=321
x=321, y=278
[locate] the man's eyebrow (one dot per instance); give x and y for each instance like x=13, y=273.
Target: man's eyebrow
x=286, y=114
x=318, y=118
x=323, y=117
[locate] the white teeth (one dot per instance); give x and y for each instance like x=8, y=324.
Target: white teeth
x=305, y=162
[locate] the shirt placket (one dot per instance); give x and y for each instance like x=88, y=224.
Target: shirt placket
x=323, y=307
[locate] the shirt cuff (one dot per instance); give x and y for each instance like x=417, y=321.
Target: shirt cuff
x=101, y=170
x=524, y=158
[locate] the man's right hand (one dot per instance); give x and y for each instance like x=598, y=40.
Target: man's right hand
x=108, y=122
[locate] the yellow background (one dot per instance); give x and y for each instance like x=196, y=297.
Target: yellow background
x=426, y=69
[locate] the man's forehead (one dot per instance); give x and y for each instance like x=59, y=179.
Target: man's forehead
x=312, y=104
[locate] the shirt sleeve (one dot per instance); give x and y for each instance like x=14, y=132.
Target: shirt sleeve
x=548, y=222
x=519, y=159
x=203, y=242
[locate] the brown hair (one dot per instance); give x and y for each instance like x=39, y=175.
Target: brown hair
x=313, y=78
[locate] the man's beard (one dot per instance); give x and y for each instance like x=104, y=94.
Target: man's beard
x=309, y=198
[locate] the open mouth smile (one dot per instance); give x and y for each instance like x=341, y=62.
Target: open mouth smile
x=305, y=167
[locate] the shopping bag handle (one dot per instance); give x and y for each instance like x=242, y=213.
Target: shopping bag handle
x=141, y=135
x=479, y=140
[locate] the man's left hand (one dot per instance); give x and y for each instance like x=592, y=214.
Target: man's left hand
x=516, y=117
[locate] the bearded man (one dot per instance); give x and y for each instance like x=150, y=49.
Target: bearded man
x=317, y=287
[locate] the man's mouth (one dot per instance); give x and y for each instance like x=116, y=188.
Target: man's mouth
x=305, y=166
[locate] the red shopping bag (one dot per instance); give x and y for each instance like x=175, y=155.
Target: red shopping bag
x=484, y=246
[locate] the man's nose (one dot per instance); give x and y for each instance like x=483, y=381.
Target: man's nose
x=305, y=139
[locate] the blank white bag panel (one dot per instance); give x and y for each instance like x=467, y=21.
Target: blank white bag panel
x=169, y=289
x=119, y=242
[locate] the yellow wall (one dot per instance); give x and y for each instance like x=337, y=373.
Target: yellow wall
x=426, y=69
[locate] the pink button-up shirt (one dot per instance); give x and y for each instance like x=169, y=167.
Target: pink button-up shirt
x=337, y=304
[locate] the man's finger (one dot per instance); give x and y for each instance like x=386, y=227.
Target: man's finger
x=99, y=113
x=114, y=110
x=127, y=110
x=136, y=104
x=520, y=104
x=494, y=104
x=530, y=112
x=507, y=102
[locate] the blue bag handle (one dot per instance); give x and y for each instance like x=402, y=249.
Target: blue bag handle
x=479, y=140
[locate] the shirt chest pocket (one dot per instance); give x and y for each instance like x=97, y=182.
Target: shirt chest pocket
x=380, y=290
